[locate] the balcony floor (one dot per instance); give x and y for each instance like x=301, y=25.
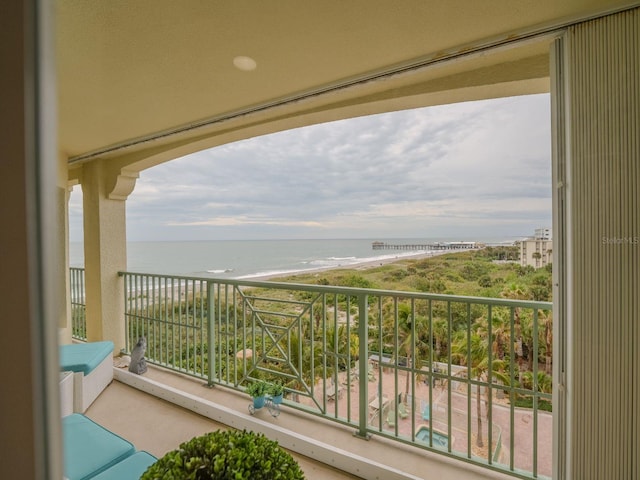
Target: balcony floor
x=158, y=426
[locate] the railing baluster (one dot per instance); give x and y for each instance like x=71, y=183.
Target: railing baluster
x=363, y=355
x=210, y=335
x=469, y=386
x=488, y=387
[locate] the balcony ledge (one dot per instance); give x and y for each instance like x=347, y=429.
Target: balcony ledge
x=331, y=444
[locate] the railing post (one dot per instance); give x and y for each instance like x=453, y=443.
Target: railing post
x=210, y=334
x=363, y=366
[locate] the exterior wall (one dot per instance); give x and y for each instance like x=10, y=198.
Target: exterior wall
x=598, y=180
x=543, y=233
x=530, y=247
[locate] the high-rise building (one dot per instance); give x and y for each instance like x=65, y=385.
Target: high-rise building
x=536, y=251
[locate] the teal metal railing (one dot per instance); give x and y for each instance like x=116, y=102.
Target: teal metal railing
x=78, y=306
x=463, y=376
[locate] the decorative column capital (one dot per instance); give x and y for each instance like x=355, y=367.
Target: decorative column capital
x=124, y=185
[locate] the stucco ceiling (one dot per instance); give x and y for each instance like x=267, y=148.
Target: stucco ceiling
x=134, y=69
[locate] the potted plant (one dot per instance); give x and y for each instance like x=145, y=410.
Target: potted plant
x=227, y=454
x=276, y=391
x=258, y=390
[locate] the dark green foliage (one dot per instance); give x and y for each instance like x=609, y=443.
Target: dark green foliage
x=523, y=271
x=500, y=253
x=541, y=287
x=430, y=285
x=356, y=281
x=399, y=274
x=473, y=270
x=276, y=389
x=226, y=455
x=527, y=402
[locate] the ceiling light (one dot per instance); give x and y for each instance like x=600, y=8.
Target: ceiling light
x=246, y=64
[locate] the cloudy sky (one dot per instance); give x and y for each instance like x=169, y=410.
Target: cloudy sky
x=469, y=171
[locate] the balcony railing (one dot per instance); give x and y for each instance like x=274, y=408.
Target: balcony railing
x=463, y=376
x=78, y=305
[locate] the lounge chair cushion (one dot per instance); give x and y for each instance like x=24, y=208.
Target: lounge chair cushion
x=90, y=448
x=84, y=357
x=131, y=468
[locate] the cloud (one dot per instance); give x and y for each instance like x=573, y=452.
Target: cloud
x=475, y=168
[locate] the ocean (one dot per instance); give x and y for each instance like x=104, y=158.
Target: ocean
x=255, y=258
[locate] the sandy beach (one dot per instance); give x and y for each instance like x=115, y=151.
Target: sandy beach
x=357, y=266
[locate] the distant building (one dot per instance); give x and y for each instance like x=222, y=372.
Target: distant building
x=536, y=251
x=542, y=234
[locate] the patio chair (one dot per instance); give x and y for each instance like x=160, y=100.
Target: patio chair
x=334, y=391
x=131, y=468
x=92, y=367
x=355, y=371
x=402, y=411
x=370, y=374
x=391, y=417
x=89, y=448
x=426, y=411
x=93, y=452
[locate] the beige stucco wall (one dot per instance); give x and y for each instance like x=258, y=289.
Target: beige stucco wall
x=105, y=255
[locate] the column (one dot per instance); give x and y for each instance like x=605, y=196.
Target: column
x=104, y=196
x=62, y=284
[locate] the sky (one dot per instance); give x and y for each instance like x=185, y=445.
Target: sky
x=467, y=171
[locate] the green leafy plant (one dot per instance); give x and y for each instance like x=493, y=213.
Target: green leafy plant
x=226, y=455
x=276, y=389
x=258, y=388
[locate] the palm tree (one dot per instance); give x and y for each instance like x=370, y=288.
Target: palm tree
x=473, y=352
x=545, y=320
x=338, y=342
x=403, y=338
x=516, y=291
x=440, y=328
x=544, y=382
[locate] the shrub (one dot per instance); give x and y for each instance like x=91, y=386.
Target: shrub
x=226, y=455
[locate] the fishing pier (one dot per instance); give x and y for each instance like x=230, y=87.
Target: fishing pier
x=424, y=246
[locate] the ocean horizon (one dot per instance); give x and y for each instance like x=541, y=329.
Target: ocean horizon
x=241, y=259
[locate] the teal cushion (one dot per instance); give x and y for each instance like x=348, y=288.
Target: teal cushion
x=131, y=468
x=84, y=357
x=90, y=448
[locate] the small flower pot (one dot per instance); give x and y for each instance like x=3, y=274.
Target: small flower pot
x=277, y=399
x=258, y=402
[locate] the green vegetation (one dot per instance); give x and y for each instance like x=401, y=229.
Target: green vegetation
x=258, y=389
x=482, y=273
x=227, y=455
x=474, y=274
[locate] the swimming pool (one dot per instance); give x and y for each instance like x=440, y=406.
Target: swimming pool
x=440, y=439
